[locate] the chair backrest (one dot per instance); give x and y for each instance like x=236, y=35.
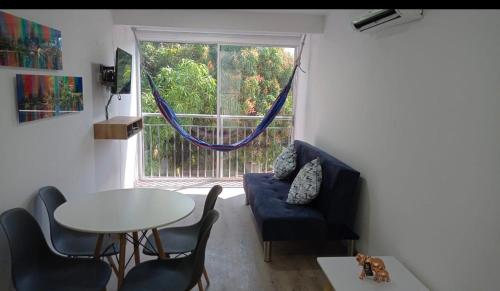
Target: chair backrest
x=198, y=255
x=52, y=198
x=26, y=242
x=211, y=199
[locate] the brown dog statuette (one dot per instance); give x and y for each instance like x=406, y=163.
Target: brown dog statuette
x=372, y=267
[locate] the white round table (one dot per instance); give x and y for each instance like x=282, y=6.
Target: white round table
x=123, y=211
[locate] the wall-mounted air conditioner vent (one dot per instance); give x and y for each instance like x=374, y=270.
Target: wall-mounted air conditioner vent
x=381, y=18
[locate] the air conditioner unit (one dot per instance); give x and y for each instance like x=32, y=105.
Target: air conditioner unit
x=381, y=18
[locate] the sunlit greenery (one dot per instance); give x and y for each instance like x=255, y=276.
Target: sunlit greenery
x=186, y=77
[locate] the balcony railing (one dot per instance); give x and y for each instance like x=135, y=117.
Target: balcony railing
x=167, y=154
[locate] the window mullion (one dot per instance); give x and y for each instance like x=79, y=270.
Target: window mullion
x=219, y=120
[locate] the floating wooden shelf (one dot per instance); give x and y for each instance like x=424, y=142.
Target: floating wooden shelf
x=119, y=127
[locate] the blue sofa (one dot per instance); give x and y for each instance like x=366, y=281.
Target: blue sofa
x=328, y=217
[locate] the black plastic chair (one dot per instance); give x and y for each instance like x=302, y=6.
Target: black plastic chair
x=183, y=239
x=66, y=241
x=35, y=267
x=173, y=274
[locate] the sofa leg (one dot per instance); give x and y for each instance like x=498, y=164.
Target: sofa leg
x=267, y=251
x=350, y=247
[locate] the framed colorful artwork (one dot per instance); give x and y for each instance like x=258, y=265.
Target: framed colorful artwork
x=41, y=96
x=25, y=43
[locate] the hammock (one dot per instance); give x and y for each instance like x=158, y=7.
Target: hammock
x=171, y=118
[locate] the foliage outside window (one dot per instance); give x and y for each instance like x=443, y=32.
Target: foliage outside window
x=186, y=76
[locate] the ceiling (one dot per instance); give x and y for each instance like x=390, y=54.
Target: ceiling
x=290, y=11
x=223, y=20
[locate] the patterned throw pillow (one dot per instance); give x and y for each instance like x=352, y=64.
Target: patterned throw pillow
x=305, y=186
x=285, y=162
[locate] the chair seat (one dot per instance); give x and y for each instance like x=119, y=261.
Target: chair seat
x=80, y=244
x=176, y=240
x=63, y=274
x=159, y=275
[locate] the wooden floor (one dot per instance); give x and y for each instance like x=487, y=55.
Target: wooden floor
x=234, y=256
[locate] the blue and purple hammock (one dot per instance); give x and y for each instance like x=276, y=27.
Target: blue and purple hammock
x=171, y=118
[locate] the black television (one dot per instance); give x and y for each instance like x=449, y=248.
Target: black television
x=123, y=72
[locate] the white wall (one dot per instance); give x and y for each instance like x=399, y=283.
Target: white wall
x=123, y=37
x=122, y=169
x=222, y=20
x=416, y=109
x=59, y=151
x=56, y=151
x=301, y=86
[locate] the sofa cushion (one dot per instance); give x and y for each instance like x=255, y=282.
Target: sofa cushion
x=285, y=163
x=279, y=220
x=257, y=183
x=305, y=186
x=276, y=219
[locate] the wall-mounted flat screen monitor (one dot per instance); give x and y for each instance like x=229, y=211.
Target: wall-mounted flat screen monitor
x=123, y=72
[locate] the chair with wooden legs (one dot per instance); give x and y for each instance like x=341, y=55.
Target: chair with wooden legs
x=183, y=239
x=35, y=267
x=179, y=274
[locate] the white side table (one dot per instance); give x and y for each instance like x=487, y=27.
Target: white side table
x=343, y=274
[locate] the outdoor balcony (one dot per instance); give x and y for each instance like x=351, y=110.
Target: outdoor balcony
x=167, y=155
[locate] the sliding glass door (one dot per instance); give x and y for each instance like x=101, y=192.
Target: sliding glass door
x=220, y=92
x=251, y=77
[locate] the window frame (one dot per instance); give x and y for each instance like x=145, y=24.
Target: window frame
x=288, y=40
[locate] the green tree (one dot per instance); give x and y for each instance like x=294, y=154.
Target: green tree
x=186, y=77
x=188, y=88
x=158, y=55
x=258, y=72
